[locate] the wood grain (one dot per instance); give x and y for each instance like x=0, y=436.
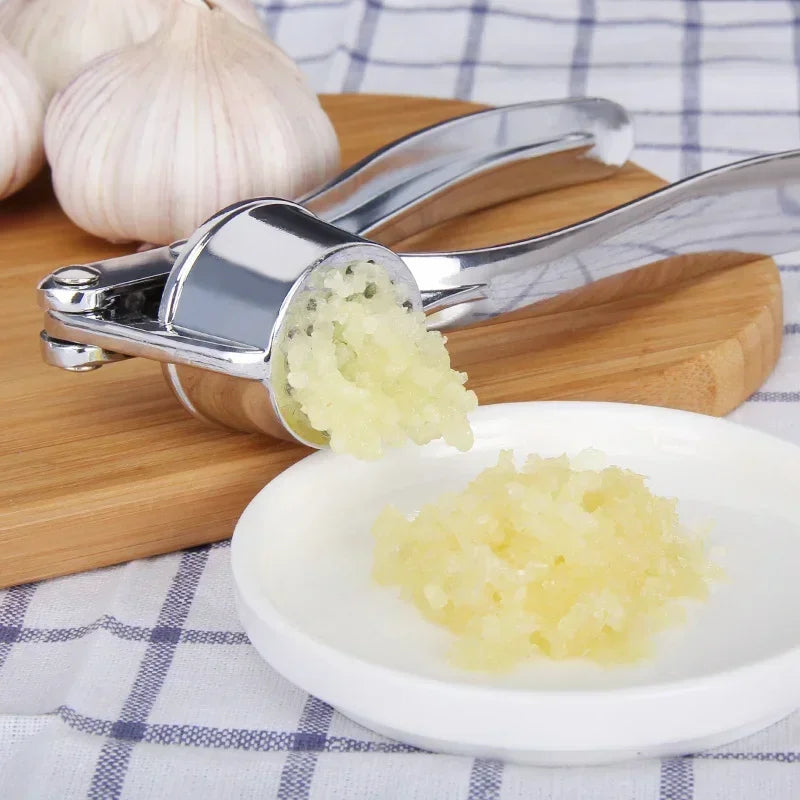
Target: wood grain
x=102, y=467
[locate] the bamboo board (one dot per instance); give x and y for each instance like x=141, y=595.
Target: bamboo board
x=102, y=467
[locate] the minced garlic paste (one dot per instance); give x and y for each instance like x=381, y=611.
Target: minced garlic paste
x=362, y=368
x=555, y=559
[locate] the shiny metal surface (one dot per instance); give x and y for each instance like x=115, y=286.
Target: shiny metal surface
x=152, y=340
x=78, y=276
x=750, y=207
x=474, y=162
x=125, y=281
x=237, y=274
x=74, y=357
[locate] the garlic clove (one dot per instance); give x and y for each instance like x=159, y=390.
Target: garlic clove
x=59, y=37
x=149, y=141
x=22, y=107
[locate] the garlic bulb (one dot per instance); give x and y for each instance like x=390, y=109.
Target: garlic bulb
x=149, y=141
x=58, y=37
x=22, y=108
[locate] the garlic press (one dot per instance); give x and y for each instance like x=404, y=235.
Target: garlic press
x=213, y=308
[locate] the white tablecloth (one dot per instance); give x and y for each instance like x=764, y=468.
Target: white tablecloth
x=137, y=681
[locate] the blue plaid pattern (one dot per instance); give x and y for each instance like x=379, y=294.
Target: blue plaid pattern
x=137, y=681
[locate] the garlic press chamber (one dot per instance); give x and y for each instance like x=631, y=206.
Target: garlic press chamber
x=213, y=308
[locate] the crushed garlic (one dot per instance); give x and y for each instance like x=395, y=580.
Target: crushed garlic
x=555, y=559
x=361, y=367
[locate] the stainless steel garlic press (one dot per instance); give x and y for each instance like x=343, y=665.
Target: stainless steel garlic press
x=212, y=308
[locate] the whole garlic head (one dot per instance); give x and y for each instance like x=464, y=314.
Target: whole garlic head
x=22, y=107
x=149, y=141
x=58, y=37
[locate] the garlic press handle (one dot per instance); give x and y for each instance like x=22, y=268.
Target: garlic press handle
x=473, y=162
x=739, y=212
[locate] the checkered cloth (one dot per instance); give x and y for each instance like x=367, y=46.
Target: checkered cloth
x=137, y=681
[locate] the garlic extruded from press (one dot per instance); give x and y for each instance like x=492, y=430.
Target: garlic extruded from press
x=58, y=37
x=358, y=365
x=22, y=107
x=149, y=141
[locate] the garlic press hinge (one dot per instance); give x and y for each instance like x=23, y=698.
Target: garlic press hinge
x=93, y=287
x=124, y=290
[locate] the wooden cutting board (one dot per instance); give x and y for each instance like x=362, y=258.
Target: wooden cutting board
x=103, y=467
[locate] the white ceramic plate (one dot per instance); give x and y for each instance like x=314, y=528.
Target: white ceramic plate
x=302, y=553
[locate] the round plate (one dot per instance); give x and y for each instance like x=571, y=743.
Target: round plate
x=302, y=554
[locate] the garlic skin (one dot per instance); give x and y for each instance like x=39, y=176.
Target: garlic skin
x=149, y=141
x=59, y=37
x=243, y=10
x=22, y=107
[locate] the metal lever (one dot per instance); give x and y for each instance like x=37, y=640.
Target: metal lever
x=111, y=307
x=744, y=210
x=474, y=162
